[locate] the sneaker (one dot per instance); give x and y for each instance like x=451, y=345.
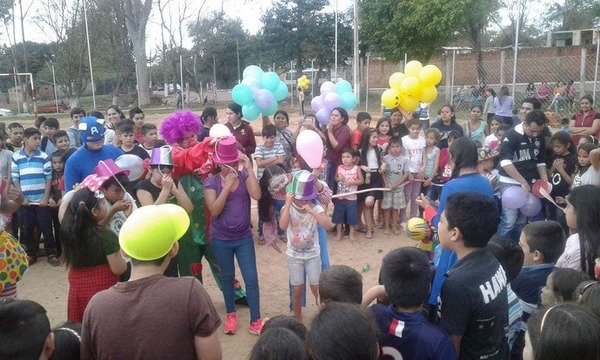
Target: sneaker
x=53, y=260
x=255, y=327
x=242, y=301
x=230, y=327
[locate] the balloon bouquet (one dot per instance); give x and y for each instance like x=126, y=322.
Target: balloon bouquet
x=528, y=203
x=303, y=82
x=333, y=95
x=259, y=92
x=416, y=84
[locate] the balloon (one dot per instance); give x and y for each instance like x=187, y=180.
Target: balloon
x=332, y=100
x=271, y=110
x=416, y=229
x=348, y=100
x=428, y=94
x=430, y=75
x=250, y=112
x=252, y=82
x=323, y=116
x=310, y=147
x=514, y=197
x=281, y=92
x=532, y=206
x=390, y=98
x=270, y=81
x=219, y=130
x=411, y=86
x=316, y=103
x=253, y=71
x=327, y=87
x=264, y=99
x=535, y=189
x=342, y=86
x=408, y=103
x=133, y=163
x=413, y=68
x=242, y=94
x=396, y=80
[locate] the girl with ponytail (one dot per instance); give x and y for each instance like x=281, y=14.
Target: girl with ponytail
x=92, y=254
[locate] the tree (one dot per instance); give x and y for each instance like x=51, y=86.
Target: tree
x=573, y=15
x=136, y=18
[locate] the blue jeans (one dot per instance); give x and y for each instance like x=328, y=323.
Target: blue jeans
x=512, y=221
x=243, y=250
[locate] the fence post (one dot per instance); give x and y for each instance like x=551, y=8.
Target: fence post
x=582, y=70
x=447, y=87
x=502, y=60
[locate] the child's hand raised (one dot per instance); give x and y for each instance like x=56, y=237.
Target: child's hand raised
x=289, y=197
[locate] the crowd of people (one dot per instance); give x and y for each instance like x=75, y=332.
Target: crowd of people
x=486, y=281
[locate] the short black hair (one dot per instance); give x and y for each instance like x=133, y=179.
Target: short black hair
x=15, y=125
x=124, y=122
x=147, y=127
x=537, y=104
x=475, y=215
x=536, y=116
x=269, y=130
x=96, y=114
x=565, y=281
x=286, y=322
x=509, y=255
x=547, y=237
x=67, y=341
x=395, y=140
x=406, y=275
x=276, y=344
x=24, y=327
x=340, y=283
x=125, y=129
x=135, y=110
x=412, y=122
x=58, y=134
x=363, y=115
x=115, y=180
x=51, y=123
x=57, y=154
x=31, y=131
x=350, y=151
x=503, y=127
x=76, y=111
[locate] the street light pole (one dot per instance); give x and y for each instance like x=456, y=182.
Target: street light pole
x=87, y=35
x=356, y=62
x=514, y=79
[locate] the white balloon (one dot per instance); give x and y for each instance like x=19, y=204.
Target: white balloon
x=219, y=130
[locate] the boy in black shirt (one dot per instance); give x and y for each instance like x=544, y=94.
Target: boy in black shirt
x=522, y=161
x=128, y=146
x=474, y=302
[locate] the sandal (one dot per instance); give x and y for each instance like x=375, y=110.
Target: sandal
x=369, y=234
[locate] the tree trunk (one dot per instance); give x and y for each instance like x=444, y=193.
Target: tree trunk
x=143, y=84
x=137, y=14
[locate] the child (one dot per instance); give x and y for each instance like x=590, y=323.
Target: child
x=561, y=285
x=299, y=218
x=128, y=145
x=60, y=139
x=67, y=341
x=270, y=152
x=395, y=170
x=295, y=165
x=363, y=121
x=384, y=134
x=58, y=167
x=77, y=114
x=564, y=123
x=474, y=302
x=112, y=181
x=583, y=164
x=492, y=140
x=485, y=166
x=149, y=137
x=5, y=160
x=561, y=166
x=348, y=177
x=370, y=155
x=280, y=343
x=406, y=276
x=137, y=116
x=32, y=174
x=413, y=144
x=445, y=169
x=340, y=283
x=542, y=243
x=431, y=160
x=48, y=128
x=15, y=141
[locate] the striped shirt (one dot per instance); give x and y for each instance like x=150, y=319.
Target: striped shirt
x=31, y=173
x=262, y=152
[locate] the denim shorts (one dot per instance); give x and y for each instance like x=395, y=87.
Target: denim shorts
x=298, y=267
x=345, y=212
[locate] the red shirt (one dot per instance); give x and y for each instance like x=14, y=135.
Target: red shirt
x=587, y=121
x=355, y=139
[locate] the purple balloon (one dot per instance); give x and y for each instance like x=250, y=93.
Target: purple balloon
x=332, y=100
x=317, y=103
x=532, y=207
x=264, y=99
x=514, y=197
x=323, y=116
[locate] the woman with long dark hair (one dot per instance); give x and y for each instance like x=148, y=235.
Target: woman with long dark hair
x=338, y=138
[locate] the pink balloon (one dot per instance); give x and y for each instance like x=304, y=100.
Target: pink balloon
x=317, y=103
x=310, y=147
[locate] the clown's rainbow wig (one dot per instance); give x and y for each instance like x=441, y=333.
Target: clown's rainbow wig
x=176, y=125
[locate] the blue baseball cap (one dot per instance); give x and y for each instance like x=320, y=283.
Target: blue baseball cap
x=91, y=129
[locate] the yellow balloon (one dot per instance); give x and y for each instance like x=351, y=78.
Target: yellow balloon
x=428, y=94
x=390, y=98
x=409, y=103
x=413, y=68
x=411, y=86
x=396, y=80
x=430, y=75
x=416, y=229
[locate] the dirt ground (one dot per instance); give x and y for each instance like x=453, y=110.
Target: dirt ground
x=48, y=285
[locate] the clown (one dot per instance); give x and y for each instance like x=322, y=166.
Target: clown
x=192, y=164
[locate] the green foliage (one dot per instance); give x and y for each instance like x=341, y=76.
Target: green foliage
x=573, y=15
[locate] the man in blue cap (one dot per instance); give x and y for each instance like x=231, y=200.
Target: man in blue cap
x=84, y=160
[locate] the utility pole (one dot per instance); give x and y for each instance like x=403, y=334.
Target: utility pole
x=237, y=48
x=214, y=79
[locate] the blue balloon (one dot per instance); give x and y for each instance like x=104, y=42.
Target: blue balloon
x=250, y=112
x=253, y=71
x=348, y=100
x=342, y=86
x=269, y=81
x=242, y=94
x=271, y=110
x=281, y=92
